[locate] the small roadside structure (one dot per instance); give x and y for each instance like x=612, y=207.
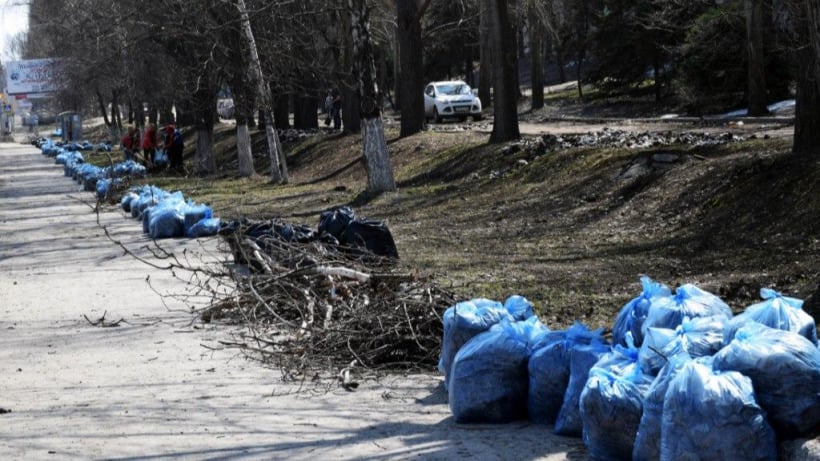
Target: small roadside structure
x=71, y=125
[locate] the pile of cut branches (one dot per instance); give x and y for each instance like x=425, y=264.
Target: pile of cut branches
x=314, y=307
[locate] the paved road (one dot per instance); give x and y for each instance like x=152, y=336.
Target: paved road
x=148, y=389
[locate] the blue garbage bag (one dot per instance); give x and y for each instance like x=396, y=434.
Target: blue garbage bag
x=488, y=382
x=103, y=186
x=785, y=370
x=581, y=360
x=462, y=322
x=166, y=219
x=160, y=158
x=698, y=337
x=632, y=314
x=648, y=440
x=777, y=311
x=194, y=213
x=126, y=200
x=166, y=222
x=549, y=370
x=688, y=301
x=611, y=407
x=651, y=355
x=204, y=228
x=519, y=307
x=713, y=415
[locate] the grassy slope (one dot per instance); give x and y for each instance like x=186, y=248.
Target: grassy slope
x=566, y=230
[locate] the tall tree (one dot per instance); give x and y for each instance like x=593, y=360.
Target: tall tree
x=535, y=26
x=278, y=165
x=411, y=83
x=756, y=60
x=376, y=156
x=486, y=58
x=505, y=86
x=807, y=115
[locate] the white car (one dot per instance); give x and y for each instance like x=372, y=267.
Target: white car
x=450, y=99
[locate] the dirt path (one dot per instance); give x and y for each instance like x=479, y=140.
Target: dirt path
x=148, y=389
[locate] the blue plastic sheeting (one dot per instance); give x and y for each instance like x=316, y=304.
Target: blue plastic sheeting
x=777, y=311
x=713, y=415
x=785, y=370
x=632, y=315
x=581, y=360
x=204, y=228
x=549, y=370
x=698, y=337
x=462, y=322
x=648, y=441
x=611, y=408
x=688, y=301
x=488, y=383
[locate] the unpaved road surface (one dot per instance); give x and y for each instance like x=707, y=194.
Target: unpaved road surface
x=150, y=389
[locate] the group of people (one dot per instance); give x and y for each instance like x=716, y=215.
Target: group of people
x=333, y=109
x=149, y=142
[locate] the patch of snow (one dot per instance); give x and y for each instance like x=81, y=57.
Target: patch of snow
x=774, y=108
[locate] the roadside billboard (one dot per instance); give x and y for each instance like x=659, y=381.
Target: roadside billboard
x=31, y=76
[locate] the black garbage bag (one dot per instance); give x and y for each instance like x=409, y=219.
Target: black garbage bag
x=713, y=415
x=373, y=236
x=489, y=376
x=334, y=222
x=785, y=370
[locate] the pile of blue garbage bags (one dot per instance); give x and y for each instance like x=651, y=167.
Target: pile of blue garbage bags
x=167, y=214
x=164, y=214
x=680, y=377
x=99, y=180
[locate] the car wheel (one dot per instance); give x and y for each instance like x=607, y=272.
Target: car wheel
x=436, y=117
x=478, y=117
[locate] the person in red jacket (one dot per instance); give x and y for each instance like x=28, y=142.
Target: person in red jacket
x=128, y=144
x=149, y=144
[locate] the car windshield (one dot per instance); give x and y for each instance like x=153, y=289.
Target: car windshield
x=453, y=89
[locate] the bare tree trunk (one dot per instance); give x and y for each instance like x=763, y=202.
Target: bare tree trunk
x=376, y=156
x=278, y=166
x=537, y=59
x=205, y=161
x=244, y=150
x=485, y=67
x=411, y=83
x=807, y=117
x=205, y=103
x=505, y=107
x=756, y=59
x=561, y=61
x=351, y=116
